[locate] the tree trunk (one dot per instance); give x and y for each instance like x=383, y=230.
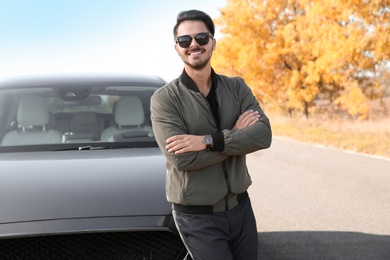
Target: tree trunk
x=306, y=110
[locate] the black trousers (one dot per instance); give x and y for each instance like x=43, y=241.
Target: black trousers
x=230, y=235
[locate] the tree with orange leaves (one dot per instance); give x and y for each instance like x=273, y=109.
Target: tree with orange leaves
x=293, y=51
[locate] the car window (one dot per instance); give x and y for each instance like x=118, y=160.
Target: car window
x=72, y=116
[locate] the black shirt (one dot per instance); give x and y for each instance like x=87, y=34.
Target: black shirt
x=218, y=139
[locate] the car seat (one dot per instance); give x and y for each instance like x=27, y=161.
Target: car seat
x=32, y=118
x=84, y=127
x=129, y=116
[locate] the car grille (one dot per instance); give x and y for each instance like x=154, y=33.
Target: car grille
x=150, y=245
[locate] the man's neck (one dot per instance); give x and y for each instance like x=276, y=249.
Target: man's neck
x=202, y=78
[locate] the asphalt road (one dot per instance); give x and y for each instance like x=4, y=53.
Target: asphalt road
x=313, y=202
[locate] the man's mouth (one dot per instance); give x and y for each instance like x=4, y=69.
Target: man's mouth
x=195, y=52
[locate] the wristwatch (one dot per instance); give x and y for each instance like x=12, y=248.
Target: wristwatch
x=208, y=141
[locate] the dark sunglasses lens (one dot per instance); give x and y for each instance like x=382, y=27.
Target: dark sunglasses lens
x=202, y=38
x=184, y=41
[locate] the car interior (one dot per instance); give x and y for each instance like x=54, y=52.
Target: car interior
x=62, y=115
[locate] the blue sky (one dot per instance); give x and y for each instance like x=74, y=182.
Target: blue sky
x=40, y=36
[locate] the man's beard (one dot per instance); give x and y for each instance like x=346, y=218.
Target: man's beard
x=198, y=66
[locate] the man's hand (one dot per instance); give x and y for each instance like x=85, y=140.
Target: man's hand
x=185, y=143
x=246, y=119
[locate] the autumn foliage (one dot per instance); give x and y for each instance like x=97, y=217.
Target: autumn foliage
x=294, y=52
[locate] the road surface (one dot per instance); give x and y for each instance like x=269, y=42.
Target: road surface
x=313, y=202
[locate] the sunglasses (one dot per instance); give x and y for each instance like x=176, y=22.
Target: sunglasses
x=185, y=41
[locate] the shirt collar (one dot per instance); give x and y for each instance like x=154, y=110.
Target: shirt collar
x=190, y=84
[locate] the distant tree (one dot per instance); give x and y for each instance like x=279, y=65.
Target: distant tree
x=293, y=51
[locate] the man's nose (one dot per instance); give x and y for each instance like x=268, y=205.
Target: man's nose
x=194, y=42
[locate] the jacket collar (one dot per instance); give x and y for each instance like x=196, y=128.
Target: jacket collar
x=190, y=84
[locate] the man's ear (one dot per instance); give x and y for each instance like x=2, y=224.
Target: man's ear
x=176, y=49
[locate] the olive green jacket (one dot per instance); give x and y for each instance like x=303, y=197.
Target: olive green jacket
x=207, y=177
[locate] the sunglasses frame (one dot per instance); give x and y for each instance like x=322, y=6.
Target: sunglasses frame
x=188, y=43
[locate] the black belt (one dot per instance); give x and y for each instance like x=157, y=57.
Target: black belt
x=205, y=209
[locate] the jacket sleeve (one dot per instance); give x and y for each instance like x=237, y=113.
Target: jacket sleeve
x=252, y=138
x=167, y=122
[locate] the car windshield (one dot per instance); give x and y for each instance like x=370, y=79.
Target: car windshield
x=75, y=116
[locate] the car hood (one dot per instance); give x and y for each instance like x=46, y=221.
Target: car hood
x=38, y=186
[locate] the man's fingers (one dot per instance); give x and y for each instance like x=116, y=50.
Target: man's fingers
x=249, y=116
x=184, y=143
x=174, y=138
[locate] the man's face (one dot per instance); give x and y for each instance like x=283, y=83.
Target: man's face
x=196, y=56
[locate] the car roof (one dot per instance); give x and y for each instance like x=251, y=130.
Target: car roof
x=71, y=78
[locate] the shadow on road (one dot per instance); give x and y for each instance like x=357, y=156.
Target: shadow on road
x=313, y=245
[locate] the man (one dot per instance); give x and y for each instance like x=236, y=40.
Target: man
x=205, y=124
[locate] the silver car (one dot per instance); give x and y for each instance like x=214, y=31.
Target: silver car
x=81, y=175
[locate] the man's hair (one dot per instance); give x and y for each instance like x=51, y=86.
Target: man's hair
x=194, y=15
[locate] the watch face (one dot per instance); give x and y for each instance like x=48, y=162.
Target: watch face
x=207, y=139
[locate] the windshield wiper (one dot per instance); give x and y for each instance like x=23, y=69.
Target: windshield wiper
x=91, y=147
